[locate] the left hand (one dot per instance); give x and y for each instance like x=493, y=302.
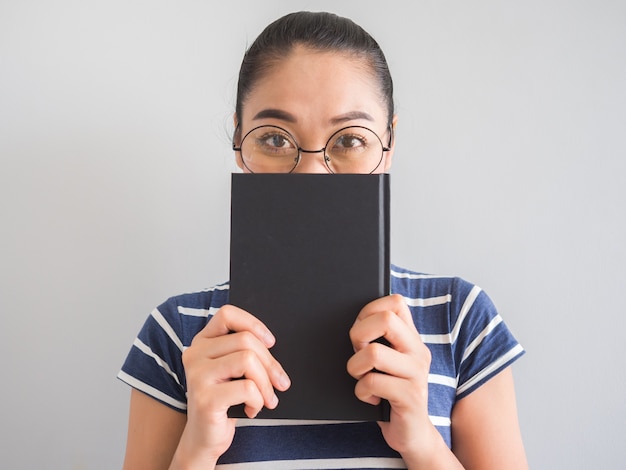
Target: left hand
x=397, y=373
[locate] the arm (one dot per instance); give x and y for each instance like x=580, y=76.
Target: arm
x=485, y=431
x=153, y=433
x=485, y=428
x=233, y=345
x=398, y=373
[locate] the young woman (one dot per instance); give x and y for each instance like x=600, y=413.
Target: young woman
x=315, y=96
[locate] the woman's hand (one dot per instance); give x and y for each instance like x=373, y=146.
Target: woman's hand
x=397, y=372
x=228, y=363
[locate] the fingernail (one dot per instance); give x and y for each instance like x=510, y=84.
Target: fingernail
x=266, y=336
x=273, y=401
x=269, y=338
x=284, y=381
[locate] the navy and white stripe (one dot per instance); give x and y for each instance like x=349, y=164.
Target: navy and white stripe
x=468, y=340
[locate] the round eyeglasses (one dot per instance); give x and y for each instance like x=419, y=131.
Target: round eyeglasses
x=272, y=149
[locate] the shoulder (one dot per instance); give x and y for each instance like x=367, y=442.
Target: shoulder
x=458, y=321
x=443, y=303
x=186, y=314
x=197, y=302
x=414, y=284
x=154, y=362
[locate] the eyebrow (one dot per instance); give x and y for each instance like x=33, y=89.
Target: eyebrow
x=272, y=113
x=352, y=116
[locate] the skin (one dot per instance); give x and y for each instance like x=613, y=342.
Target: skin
x=301, y=96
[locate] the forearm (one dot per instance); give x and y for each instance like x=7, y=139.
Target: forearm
x=183, y=461
x=189, y=457
x=431, y=454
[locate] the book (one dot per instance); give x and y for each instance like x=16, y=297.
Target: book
x=307, y=253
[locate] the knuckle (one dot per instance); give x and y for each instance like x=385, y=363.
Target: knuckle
x=224, y=313
x=374, y=352
x=188, y=357
x=400, y=306
x=246, y=339
x=249, y=388
x=369, y=380
x=217, y=316
x=225, y=310
x=248, y=358
x=352, y=333
x=398, y=302
x=359, y=389
x=425, y=354
x=388, y=317
x=370, y=383
x=428, y=355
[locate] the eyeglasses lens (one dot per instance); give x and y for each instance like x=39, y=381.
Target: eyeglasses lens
x=271, y=149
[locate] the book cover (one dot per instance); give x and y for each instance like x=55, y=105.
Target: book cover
x=308, y=251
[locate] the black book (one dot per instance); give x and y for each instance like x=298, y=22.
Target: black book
x=308, y=252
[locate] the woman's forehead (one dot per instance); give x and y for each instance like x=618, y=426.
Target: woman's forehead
x=310, y=82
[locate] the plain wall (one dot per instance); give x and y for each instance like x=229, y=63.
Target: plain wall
x=510, y=171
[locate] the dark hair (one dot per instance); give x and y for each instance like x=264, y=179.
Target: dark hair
x=319, y=31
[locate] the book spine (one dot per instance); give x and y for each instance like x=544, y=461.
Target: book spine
x=385, y=259
x=384, y=231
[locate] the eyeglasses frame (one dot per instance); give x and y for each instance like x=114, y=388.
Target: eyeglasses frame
x=323, y=149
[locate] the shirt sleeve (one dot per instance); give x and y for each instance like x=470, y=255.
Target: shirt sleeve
x=154, y=363
x=484, y=345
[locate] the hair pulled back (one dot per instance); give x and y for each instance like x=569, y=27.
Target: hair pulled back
x=321, y=31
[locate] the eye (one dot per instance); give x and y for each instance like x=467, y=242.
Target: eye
x=273, y=141
x=276, y=140
x=350, y=142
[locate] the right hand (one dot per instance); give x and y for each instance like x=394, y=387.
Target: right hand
x=233, y=345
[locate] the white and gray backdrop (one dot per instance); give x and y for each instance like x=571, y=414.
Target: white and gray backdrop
x=115, y=165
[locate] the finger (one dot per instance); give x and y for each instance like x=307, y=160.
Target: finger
x=376, y=356
x=393, y=303
x=246, y=365
x=274, y=369
x=385, y=324
x=375, y=386
x=235, y=392
x=230, y=318
x=227, y=344
x=246, y=341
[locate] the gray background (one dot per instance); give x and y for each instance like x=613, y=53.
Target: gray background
x=114, y=179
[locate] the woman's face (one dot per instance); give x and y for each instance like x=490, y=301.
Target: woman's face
x=312, y=95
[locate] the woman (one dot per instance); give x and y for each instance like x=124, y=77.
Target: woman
x=446, y=370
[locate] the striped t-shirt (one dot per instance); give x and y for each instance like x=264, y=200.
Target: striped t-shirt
x=468, y=340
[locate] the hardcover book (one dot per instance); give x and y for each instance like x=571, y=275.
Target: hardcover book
x=307, y=253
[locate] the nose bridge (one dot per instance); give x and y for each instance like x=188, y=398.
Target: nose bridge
x=311, y=161
x=312, y=151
